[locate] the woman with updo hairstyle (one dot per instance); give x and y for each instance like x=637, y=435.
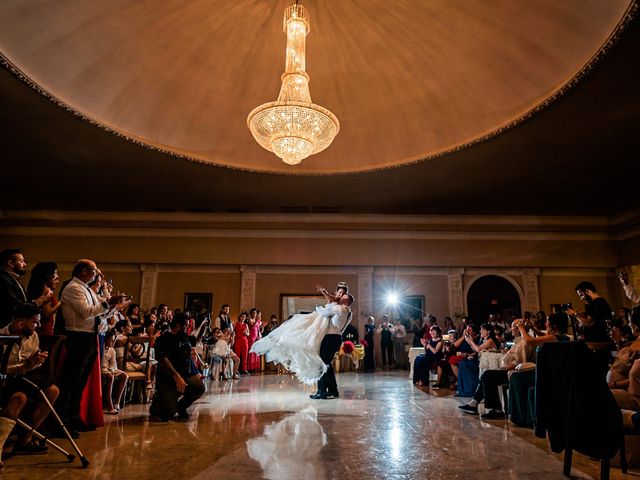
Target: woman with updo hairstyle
x=44, y=280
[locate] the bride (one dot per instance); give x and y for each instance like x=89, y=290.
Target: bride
x=296, y=343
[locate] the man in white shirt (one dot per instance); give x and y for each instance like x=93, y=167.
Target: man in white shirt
x=80, y=307
x=25, y=360
x=340, y=315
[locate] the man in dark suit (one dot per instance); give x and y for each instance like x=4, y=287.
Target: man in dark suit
x=13, y=266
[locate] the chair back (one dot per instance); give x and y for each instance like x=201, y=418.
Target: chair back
x=574, y=405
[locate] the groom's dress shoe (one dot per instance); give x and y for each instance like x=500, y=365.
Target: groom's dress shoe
x=318, y=396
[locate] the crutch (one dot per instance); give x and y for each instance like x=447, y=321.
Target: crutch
x=39, y=436
x=70, y=457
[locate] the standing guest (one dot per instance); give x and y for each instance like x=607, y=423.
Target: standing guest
x=133, y=314
x=448, y=324
x=255, y=325
x=162, y=323
x=177, y=383
x=386, y=342
x=44, y=279
x=416, y=329
x=430, y=358
x=191, y=322
x=369, y=353
x=80, y=307
x=13, y=266
x=594, y=321
x=399, y=334
x=112, y=374
x=271, y=326
x=241, y=343
x=222, y=321
x=25, y=360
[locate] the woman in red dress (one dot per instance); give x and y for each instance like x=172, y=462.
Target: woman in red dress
x=241, y=343
x=255, y=329
x=44, y=280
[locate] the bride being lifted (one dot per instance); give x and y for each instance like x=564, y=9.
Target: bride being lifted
x=306, y=343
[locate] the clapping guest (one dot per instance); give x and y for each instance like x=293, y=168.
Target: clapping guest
x=80, y=307
x=43, y=282
x=431, y=356
x=468, y=364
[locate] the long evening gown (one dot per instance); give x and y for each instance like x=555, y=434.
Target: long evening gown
x=296, y=345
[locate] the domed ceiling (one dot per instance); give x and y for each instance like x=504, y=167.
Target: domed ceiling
x=408, y=80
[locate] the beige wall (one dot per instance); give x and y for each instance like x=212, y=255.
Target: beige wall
x=415, y=255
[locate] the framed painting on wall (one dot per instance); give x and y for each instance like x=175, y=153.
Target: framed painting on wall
x=292, y=303
x=198, y=302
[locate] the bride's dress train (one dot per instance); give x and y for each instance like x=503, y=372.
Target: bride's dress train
x=296, y=345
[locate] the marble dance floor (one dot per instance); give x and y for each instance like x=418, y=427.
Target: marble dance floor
x=267, y=427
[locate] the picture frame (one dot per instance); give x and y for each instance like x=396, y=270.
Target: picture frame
x=201, y=302
x=293, y=303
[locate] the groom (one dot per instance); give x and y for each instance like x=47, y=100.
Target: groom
x=339, y=315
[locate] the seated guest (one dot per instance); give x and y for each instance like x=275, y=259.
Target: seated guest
x=177, y=382
x=112, y=374
x=467, y=382
x=430, y=358
x=521, y=352
x=445, y=368
x=627, y=392
x=468, y=368
x=25, y=361
x=223, y=353
x=136, y=355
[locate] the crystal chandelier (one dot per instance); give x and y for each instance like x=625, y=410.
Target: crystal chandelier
x=293, y=127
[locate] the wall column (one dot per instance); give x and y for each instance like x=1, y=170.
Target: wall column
x=530, y=287
x=248, y=288
x=456, y=294
x=148, y=286
x=365, y=297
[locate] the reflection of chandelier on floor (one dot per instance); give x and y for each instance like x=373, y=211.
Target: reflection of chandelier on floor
x=292, y=127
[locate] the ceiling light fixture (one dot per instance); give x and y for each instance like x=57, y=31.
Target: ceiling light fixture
x=293, y=127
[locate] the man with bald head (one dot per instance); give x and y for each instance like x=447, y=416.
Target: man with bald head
x=80, y=307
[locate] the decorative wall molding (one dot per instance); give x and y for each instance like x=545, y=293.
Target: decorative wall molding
x=364, y=302
x=457, y=301
x=248, y=288
x=346, y=234
x=148, y=286
x=530, y=287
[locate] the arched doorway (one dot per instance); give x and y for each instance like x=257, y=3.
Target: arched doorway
x=492, y=294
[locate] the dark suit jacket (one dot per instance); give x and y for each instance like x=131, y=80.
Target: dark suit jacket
x=10, y=295
x=573, y=402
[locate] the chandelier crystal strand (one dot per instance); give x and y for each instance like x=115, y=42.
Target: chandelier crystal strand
x=293, y=127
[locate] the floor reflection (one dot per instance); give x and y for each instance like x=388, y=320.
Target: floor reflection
x=381, y=427
x=290, y=448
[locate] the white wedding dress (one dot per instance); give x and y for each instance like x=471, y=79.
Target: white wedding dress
x=296, y=345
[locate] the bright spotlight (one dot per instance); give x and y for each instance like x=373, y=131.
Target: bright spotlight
x=392, y=298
